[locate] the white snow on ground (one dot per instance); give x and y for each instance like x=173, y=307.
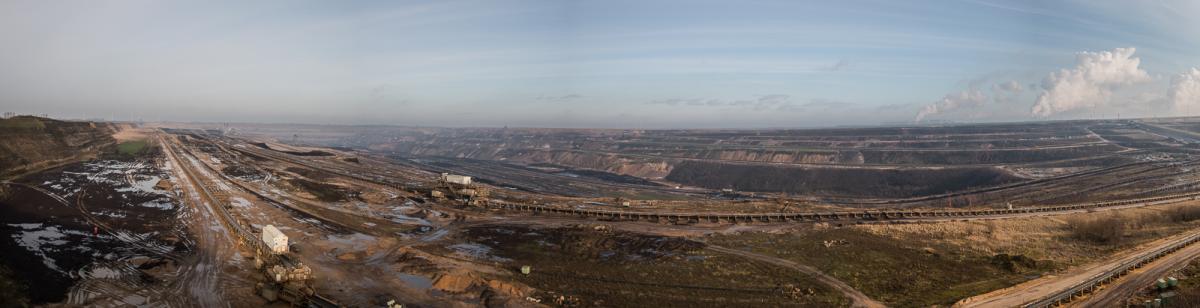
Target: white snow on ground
x=311, y=221
x=38, y=240
x=199, y=167
x=112, y=173
x=146, y=185
x=397, y=215
x=103, y=273
x=241, y=202
x=111, y=214
x=154, y=204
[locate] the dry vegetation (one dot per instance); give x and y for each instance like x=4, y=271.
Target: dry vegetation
x=589, y=267
x=1112, y=229
x=924, y=264
x=1063, y=240
x=1100, y=230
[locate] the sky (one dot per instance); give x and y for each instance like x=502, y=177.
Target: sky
x=603, y=64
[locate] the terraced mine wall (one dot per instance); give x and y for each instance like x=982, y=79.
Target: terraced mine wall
x=883, y=183
x=719, y=217
x=959, y=170
x=648, y=161
x=612, y=163
x=31, y=143
x=985, y=156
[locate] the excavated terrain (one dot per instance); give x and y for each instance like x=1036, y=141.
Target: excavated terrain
x=160, y=214
x=31, y=143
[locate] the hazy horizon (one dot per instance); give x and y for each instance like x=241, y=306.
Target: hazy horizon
x=665, y=64
x=215, y=124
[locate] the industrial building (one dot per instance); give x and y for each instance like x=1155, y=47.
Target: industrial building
x=456, y=179
x=275, y=240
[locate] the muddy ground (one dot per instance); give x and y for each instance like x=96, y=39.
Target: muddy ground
x=114, y=225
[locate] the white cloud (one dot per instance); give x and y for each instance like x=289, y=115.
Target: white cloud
x=1185, y=90
x=970, y=98
x=1090, y=83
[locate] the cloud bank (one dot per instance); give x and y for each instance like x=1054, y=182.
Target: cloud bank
x=966, y=99
x=1090, y=83
x=1184, y=92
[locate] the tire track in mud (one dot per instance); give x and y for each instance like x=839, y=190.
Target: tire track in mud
x=127, y=287
x=139, y=242
x=303, y=208
x=201, y=278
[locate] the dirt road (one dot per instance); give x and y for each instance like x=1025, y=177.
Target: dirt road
x=200, y=278
x=859, y=299
x=1114, y=295
x=1047, y=285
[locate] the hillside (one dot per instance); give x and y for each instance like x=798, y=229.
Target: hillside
x=31, y=143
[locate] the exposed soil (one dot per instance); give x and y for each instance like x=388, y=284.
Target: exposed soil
x=49, y=246
x=324, y=192
x=583, y=266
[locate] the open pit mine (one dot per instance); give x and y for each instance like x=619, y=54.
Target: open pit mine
x=1089, y=213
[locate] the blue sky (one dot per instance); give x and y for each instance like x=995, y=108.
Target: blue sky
x=644, y=64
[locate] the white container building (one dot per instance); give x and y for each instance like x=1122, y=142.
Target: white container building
x=456, y=179
x=275, y=240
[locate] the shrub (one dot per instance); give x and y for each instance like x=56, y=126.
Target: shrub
x=1104, y=230
x=1184, y=213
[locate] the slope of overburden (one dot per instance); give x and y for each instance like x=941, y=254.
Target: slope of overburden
x=32, y=143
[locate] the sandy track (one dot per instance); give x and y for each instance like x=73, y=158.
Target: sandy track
x=1051, y=284
x=1114, y=295
x=200, y=278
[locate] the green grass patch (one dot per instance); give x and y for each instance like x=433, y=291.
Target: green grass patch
x=132, y=147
